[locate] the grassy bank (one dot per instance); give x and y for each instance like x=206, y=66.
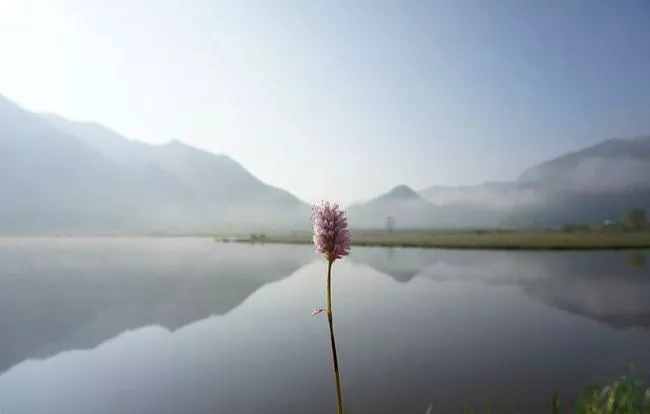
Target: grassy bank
x=481, y=239
x=627, y=395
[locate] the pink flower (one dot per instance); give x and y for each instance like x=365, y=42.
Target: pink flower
x=331, y=234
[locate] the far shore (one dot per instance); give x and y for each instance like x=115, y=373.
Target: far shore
x=477, y=239
x=530, y=239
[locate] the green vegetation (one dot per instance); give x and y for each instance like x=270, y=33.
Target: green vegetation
x=627, y=395
x=635, y=218
x=563, y=239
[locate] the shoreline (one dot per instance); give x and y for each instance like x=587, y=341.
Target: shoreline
x=514, y=240
x=545, y=240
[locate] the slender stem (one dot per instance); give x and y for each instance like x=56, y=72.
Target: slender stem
x=339, y=397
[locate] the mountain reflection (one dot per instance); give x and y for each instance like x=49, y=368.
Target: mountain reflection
x=57, y=295
x=610, y=287
x=422, y=343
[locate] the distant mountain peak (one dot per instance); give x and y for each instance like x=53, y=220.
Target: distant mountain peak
x=402, y=192
x=399, y=194
x=175, y=142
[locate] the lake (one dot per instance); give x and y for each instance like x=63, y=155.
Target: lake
x=193, y=326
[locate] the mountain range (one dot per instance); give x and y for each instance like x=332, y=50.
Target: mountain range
x=63, y=177
x=592, y=185
x=60, y=176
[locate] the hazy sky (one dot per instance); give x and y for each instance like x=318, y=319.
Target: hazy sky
x=341, y=99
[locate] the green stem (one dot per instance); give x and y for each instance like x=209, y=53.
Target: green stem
x=339, y=397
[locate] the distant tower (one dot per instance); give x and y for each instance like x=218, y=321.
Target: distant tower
x=390, y=224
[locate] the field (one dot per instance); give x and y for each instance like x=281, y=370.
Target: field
x=478, y=239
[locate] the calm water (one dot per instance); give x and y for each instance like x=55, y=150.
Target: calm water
x=192, y=326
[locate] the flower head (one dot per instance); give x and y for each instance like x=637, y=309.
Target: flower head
x=331, y=233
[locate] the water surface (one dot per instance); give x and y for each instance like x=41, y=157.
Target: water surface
x=189, y=325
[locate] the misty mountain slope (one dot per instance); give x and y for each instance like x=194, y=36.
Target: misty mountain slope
x=486, y=205
x=52, y=182
x=622, y=161
x=230, y=191
x=408, y=208
x=492, y=195
x=411, y=210
x=59, y=176
x=597, y=183
x=114, y=146
x=220, y=178
x=440, y=194
x=234, y=193
x=591, y=185
x=557, y=208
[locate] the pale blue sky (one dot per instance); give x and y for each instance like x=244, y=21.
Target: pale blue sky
x=341, y=99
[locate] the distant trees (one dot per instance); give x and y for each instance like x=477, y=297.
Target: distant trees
x=390, y=224
x=635, y=218
x=257, y=238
